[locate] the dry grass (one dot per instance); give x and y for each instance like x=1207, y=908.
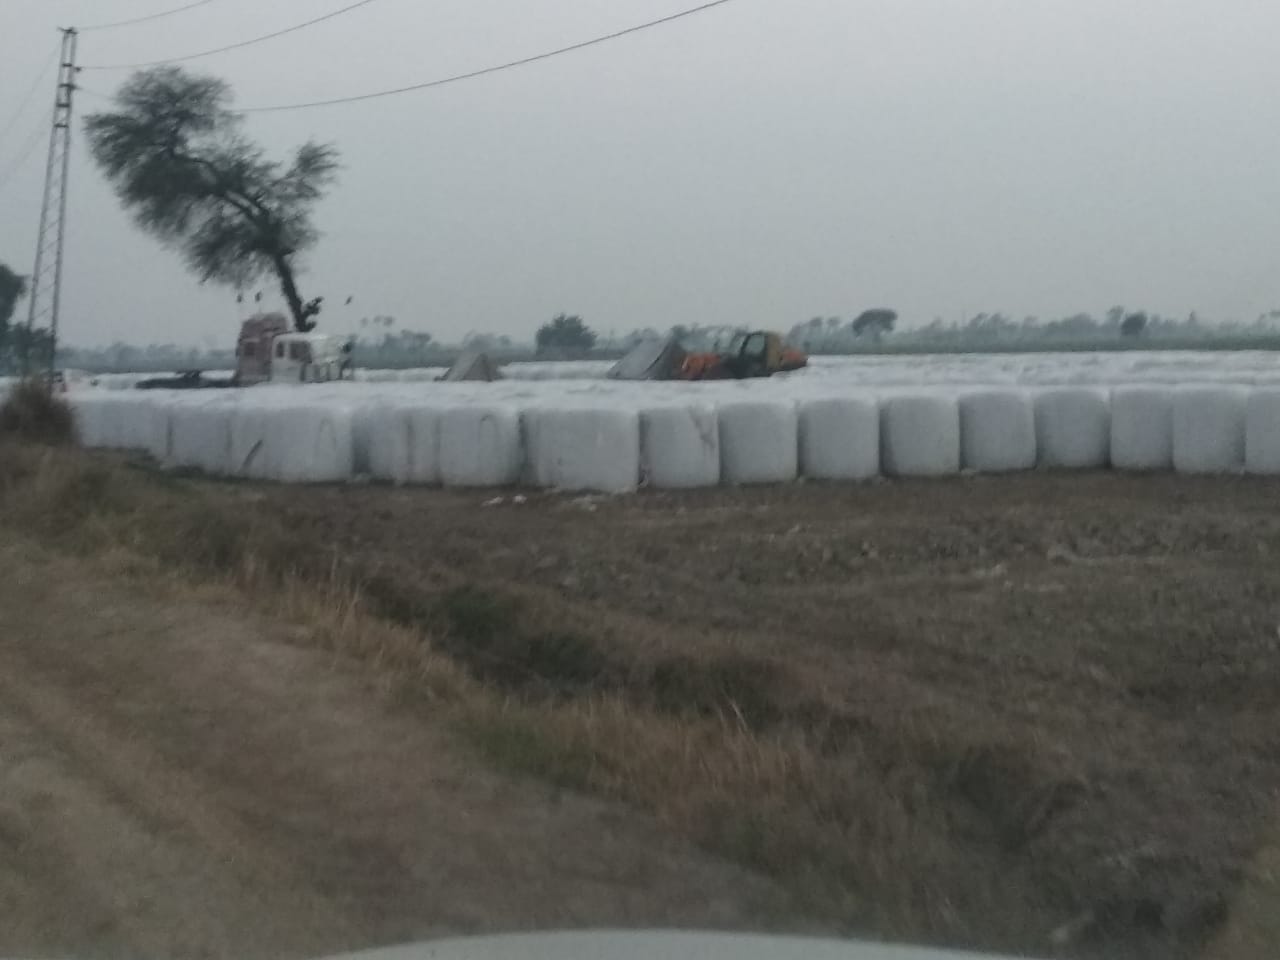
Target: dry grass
x=32, y=413
x=742, y=755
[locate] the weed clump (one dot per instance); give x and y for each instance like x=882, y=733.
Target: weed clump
x=34, y=414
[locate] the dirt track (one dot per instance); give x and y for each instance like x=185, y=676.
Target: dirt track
x=176, y=780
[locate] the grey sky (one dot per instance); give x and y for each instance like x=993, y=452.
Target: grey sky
x=759, y=164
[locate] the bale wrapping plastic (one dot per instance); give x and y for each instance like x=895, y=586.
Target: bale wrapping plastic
x=759, y=441
x=997, y=431
x=310, y=444
x=95, y=420
x=920, y=435
x=1142, y=428
x=1208, y=429
x=202, y=435
x=1262, y=431
x=424, y=445
x=388, y=443
x=141, y=422
x=480, y=446
x=249, y=452
x=680, y=446
x=840, y=438
x=583, y=448
x=1073, y=428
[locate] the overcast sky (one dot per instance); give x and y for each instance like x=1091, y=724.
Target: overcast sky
x=757, y=164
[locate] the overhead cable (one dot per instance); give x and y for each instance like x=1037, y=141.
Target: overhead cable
x=232, y=46
x=24, y=152
x=26, y=97
x=148, y=18
x=484, y=71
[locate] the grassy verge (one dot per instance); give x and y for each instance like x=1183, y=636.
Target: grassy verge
x=880, y=827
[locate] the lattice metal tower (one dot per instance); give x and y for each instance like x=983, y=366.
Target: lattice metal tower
x=46, y=278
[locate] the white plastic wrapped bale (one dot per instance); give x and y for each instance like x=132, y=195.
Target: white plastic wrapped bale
x=1142, y=428
x=424, y=444
x=366, y=413
x=250, y=456
x=137, y=421
x=997, y=431
x=202, y=435
x=383, y=444
x=309, y=443
x=840, y=438
x=583, y=448
x=1262, y=432
x=680, y=446
x=920, y=435
x=95, y=420
x=1208, y=429
x=1073, y=428
x=404, y=444
x=480, y=446
x=759, y=441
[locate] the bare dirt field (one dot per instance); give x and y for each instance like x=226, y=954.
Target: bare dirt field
x=1035, y=713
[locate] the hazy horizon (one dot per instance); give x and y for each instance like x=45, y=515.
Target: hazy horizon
x=757, y=164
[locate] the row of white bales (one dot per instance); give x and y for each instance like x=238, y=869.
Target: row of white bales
x=685, y=440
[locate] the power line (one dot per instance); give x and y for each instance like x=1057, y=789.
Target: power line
x=484, y=71
x=233, y=46
x=24, y=152
x=147, y=18
x=26, y=97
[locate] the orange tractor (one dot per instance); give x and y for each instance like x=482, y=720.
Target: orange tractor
x=760, y=353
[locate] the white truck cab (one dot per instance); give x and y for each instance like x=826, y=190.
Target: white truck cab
x=268, y=352
x=307, y=358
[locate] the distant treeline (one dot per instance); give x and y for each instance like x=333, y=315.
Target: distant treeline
x=870, y=332
x=1119, y=329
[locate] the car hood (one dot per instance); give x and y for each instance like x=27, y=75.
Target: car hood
x=664, y=945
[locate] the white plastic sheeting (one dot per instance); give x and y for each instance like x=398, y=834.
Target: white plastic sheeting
x=680, y=446
x=605, y=435
x=96, y=420
x=480, y=446
x=201, y=435
x=250, y=454
x=840, y=438
x=388, y=442
x=1208, y=429
x=997, y=431
x=583, y=448
x=309, y=443
x=1142, y=428
x=920, y=435
x=292, y=443
x=123, y=422
x=758, y=441
x=1262, y=432
x=1073, y=428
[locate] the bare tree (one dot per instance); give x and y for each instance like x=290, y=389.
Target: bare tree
x=174, y=151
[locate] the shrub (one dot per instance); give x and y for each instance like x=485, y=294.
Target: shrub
x=32, y=412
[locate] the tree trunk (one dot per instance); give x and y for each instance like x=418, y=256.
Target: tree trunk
x=290, y=290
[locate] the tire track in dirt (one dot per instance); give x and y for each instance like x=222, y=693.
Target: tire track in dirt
x=177, y=780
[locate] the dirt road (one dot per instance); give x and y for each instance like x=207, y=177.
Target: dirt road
x=176, y=780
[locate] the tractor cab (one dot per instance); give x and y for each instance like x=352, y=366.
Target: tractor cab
x=755, y=354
